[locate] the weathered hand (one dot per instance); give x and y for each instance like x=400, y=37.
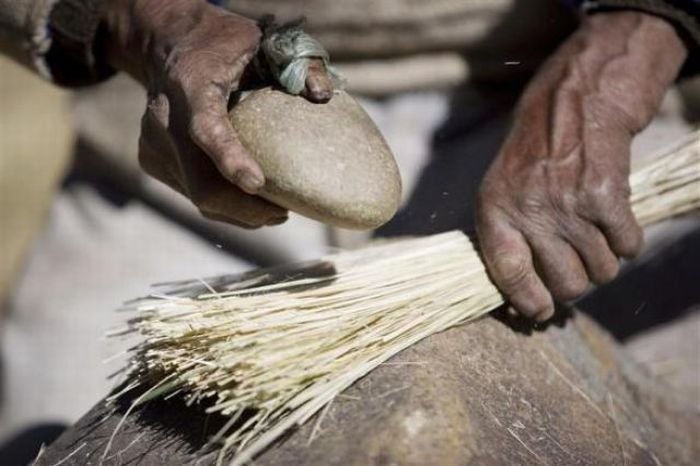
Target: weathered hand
x=553, y=210
x=191, y=56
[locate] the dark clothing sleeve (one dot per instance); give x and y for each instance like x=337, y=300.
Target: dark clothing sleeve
x=57, y=38
x=683, y=14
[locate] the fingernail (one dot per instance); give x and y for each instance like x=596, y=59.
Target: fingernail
x=276, y=221
x=249, y=182
x=322, y=95
x=319, y=89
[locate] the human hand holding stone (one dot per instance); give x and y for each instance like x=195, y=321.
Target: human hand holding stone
x=190, y=56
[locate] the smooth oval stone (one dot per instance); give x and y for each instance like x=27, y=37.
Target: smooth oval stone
x=326, y=161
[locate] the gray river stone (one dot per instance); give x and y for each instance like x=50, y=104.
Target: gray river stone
x=326, y=161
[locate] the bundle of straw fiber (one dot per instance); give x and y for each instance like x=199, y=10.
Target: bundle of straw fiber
x=271, y=348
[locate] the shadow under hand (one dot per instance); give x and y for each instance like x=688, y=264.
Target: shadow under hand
x=518, y=323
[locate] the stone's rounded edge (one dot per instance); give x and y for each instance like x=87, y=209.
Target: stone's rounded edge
x=351, y=216
x=328, y=162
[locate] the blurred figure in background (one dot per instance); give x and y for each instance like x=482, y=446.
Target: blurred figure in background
x=441, y=79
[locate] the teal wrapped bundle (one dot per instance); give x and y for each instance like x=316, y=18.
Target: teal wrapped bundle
x=289, y=51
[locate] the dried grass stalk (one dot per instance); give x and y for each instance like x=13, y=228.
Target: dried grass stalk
x=270, y=355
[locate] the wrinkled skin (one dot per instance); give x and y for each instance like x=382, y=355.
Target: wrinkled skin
x=190, y=56
x=553, y=210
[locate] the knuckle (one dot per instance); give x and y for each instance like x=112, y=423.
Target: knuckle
x=609, y=271
x=606, y=272
x=202, y=129
x=571, y=287
x=565, y=202
x=528, y=204
x=630, y=242
x=511, y=272
x=621, y=112
x=179, y=67
x=605, y=195
x=623, y=232
x=537, y=216
x=231, y=166
x=252, y=32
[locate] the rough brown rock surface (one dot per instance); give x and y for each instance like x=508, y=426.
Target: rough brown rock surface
x=479, y=394
x=326, y=161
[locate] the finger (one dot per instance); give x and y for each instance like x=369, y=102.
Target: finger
x=601, y=264
x=620, y=227
x=319, y=86
x=610, y=208
x=560, y=266
x=153, y=166
x=219, y=200
x=509, y=261
x=156, y=149
x=211, y=130
x=187, y=170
